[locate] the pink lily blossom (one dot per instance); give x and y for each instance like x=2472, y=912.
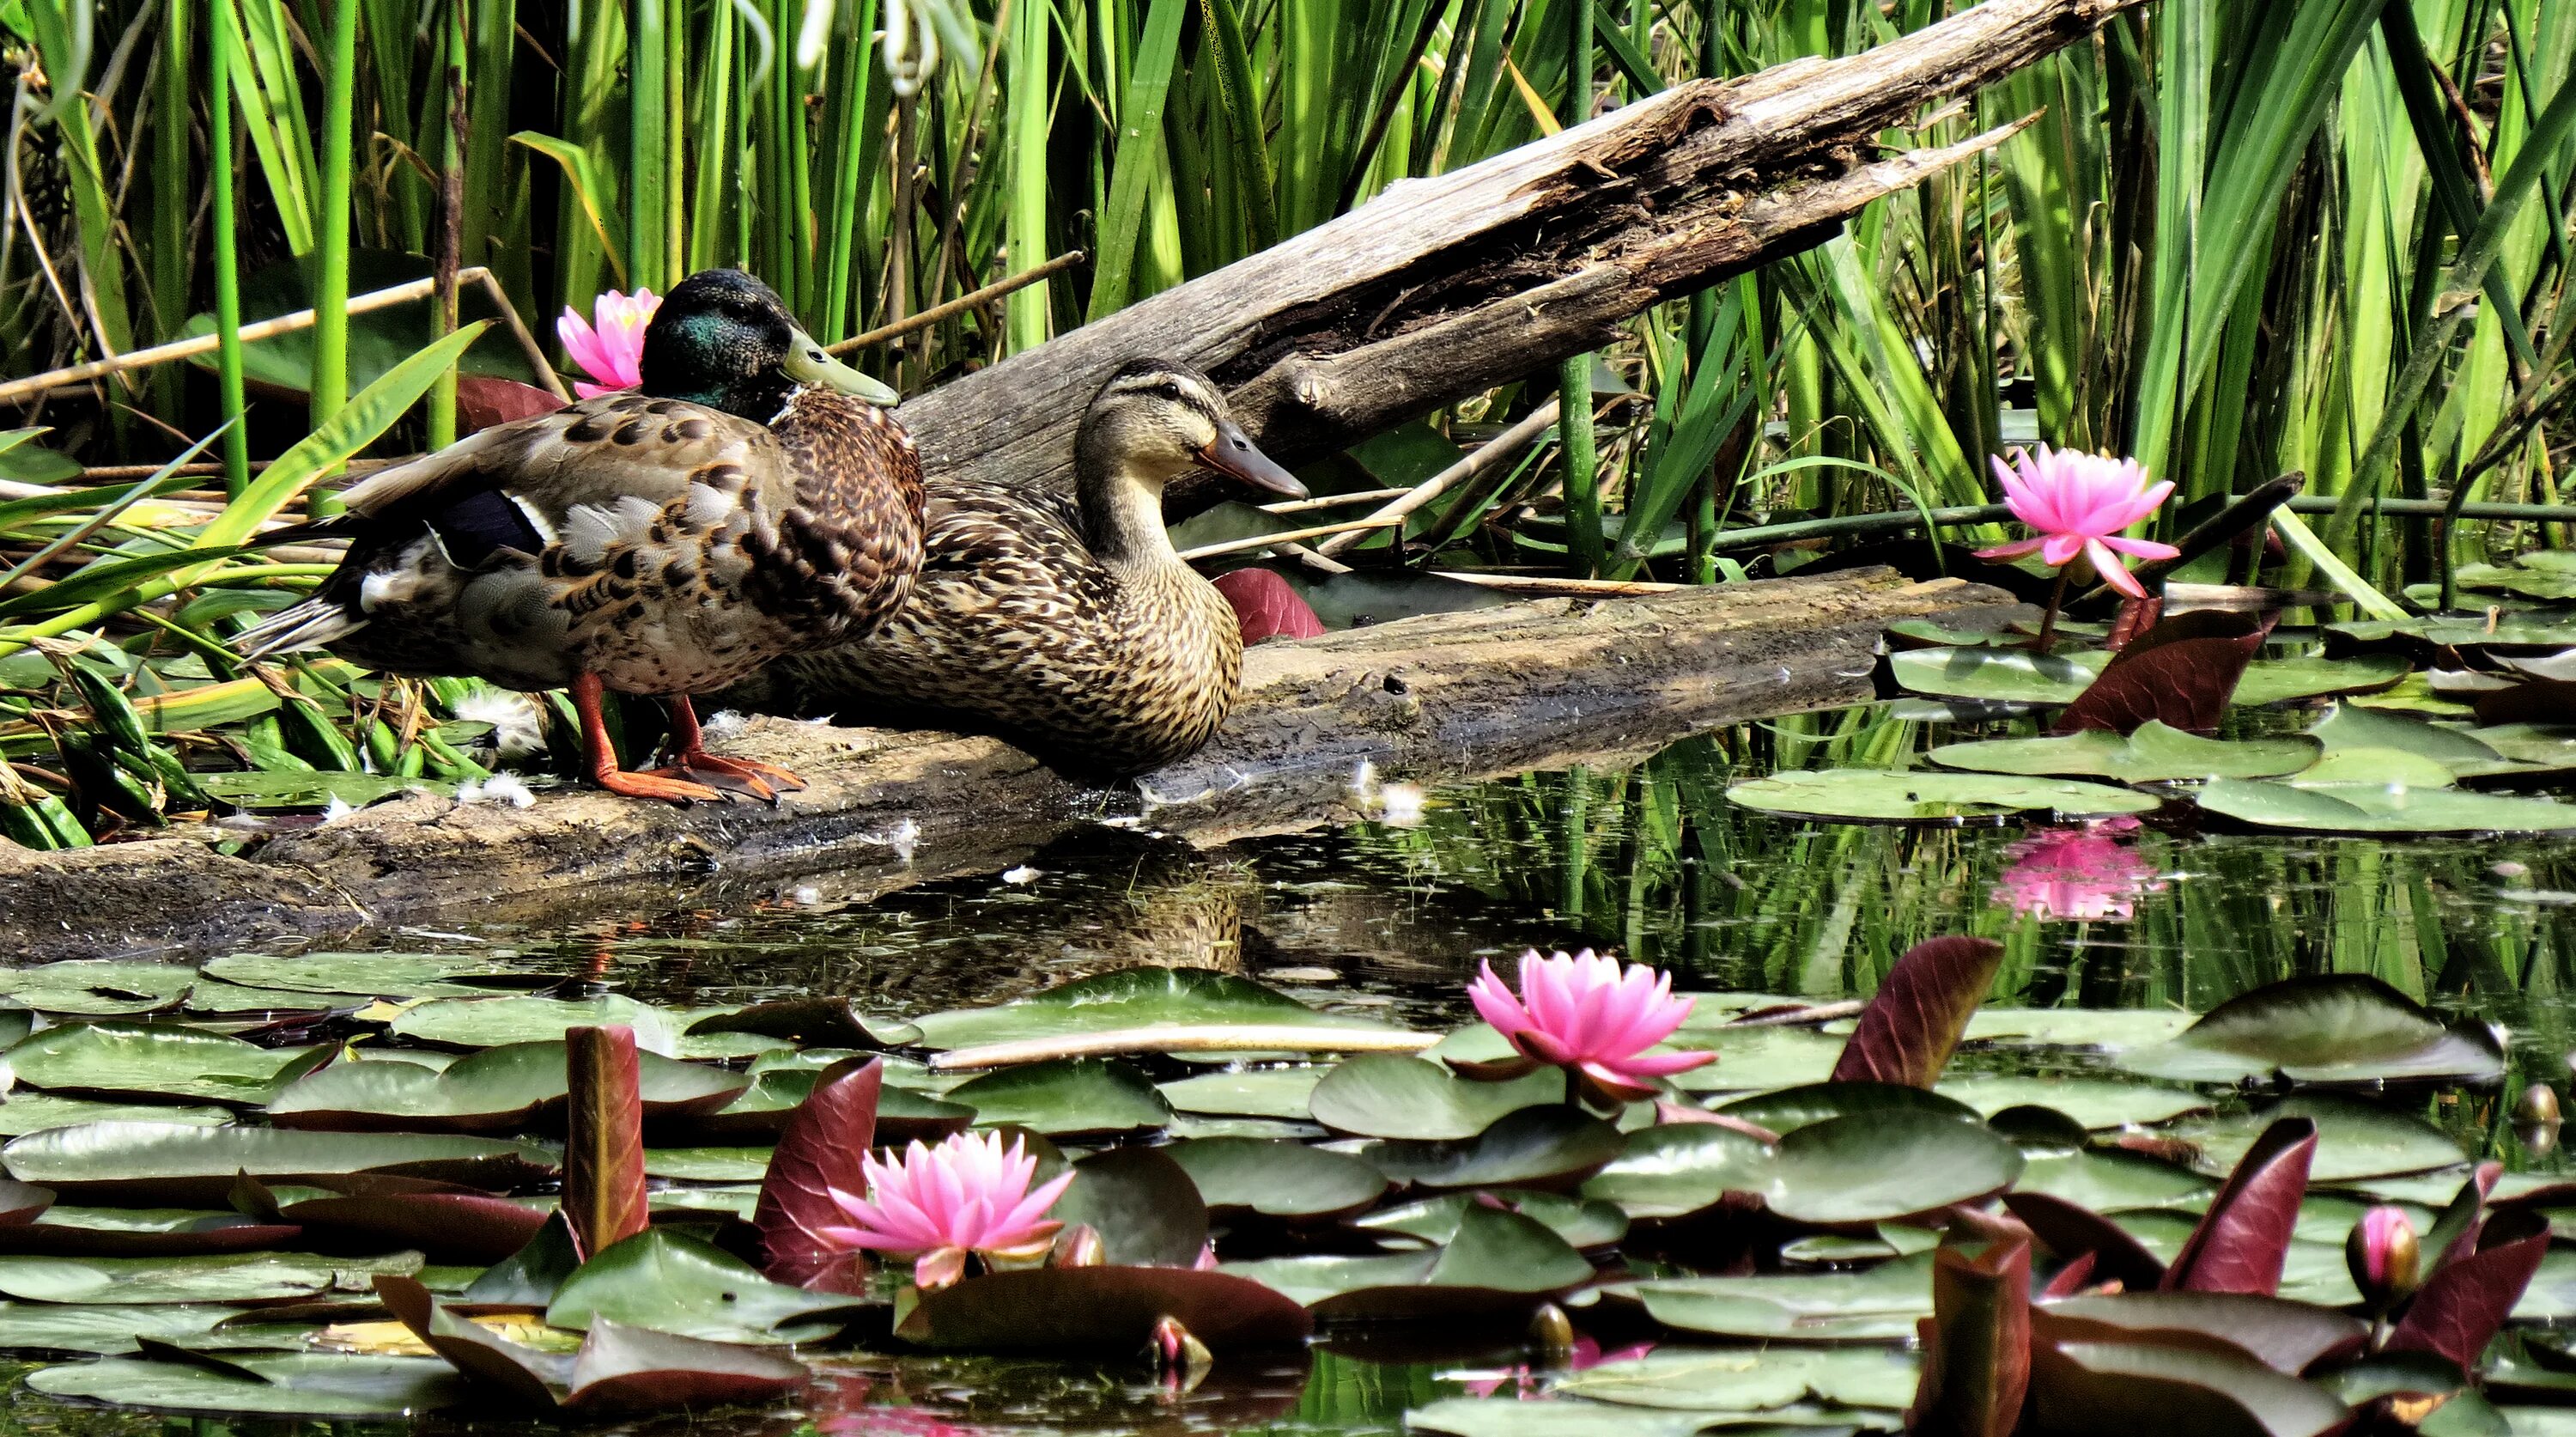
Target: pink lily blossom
x=2085, y=874
x=611, y=349
x=1587, y=1016
x=1528, y=1384
x=968, y=1195
x=2383, y=1254
x=2078, y=504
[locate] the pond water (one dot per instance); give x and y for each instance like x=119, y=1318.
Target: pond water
x=1389, y=921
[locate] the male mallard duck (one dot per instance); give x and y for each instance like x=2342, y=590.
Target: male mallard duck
x=752, y=501
x=1067, y=622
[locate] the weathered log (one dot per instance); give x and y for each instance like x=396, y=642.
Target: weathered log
x=1444, y=287
x=1439, y=697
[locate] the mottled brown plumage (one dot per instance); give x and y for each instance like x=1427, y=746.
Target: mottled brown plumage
x=1065, y=622
x=649, y=545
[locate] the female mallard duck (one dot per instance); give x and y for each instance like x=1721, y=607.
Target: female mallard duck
x=1067, y=622
x=752, y=501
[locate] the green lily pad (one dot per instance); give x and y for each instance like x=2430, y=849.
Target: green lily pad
x=494, y=1090
x=2154, y=754
x=1388, y=1095
x=1132, y=998
x=2355, y=1139
x=126, y=1058
x=105, y=1330
x=1868, y=794
x=2274, y=681
x=1745, y=1380
x=251, y=1277
x=1066, y=1097
x=1789, y=1109
x=1676, y=1169
x=1992, y=675
x=2110, y=1180
x=1757, y=1058
x=2094, y=1103
x=1870, y=1167
x=1583, y=1223
x=2107, y=1028
x=32, y=1112
x=2528, y=580
x=184, y=1164
x=1500, y=1416
x=1550, y=1147
x=671, y=1283
x=1872, y=1304
x=2350, y=726
x=104, y=987
x=1277, y=1178
x=2325, y=1028
x=707, y=1165
x=380, y=975
x=492, y=1022
x=1499, y=1262
x=297, y=1384
x=2366, y=808
x=1252, y=1093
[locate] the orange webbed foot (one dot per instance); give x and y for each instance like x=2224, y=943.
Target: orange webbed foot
x=768, y=776
x=665, y=784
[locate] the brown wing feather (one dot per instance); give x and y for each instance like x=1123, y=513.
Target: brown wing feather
x=594, y=452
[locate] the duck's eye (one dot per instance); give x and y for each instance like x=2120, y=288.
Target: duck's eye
x=1171, y=390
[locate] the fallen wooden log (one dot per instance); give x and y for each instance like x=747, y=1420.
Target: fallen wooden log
x=1436, y=698
x=1444, y=287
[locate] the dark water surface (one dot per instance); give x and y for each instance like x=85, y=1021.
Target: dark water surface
x=1651, y=861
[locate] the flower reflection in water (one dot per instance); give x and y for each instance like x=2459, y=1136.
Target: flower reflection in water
x=2090, y=873
x=1528, y=1383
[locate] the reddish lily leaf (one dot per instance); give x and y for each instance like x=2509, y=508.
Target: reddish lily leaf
x=2079, y=1235
x=819, y=1151
x=1103, y=1310
x=1912, y=1025
x=2181, y=672
x=482, y=401
x=618, y=1369
x=2283, y=1335
x=2455, y=1231
x=1976, y=1343
x=2136, y=617
x=22, y=1203
x=523, y=1375
x=2071, y=1279
x=2119, y=1389
x=2244, y=1238
x=2462, y=1306
x=466, y=1228
x=1266, y=607
x=603, y=1184
x=2534, y=700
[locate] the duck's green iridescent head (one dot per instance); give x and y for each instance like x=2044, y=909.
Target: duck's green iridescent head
x=725, y=340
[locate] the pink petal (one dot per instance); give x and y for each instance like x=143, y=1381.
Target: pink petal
x=2142, y=548
x=2060, y=549
x=1495, y=1003
x=2113, y=572
x=2013, y=550
x=939, y=1268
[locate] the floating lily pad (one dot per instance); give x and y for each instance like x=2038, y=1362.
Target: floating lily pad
x=2273, y=681
x=1252, y=1093
x=380, y=975
x=63, y=1231
x=1103, y=1311
x=2532, y=581
x=1581, y=1222
x=302, y=1384
x=492, y=1022
x=1065, y=1097
x=1144, y=1205
x=1747, y=1380
x=212, y=1278
x=1277, y=1178
x=1789, y=1109
x=1132, y=998
x=1552, y=1146
x=1676, y=1169
x=1869, y=1167
x=2325, y=1028
x=1872, y=1304
x=670, y=1283
x=1996, y=675
x=2094, y=1103
x=127, y=1058
x=98, y=986
x=2350, y=726
x=2108, y=1028
x=1752, y=1058
x=1881, y=795
x=105, y=1330
x=1499, y=1262
x=2153, y=754
x=707, y=1165
x=491, y=1091
x=2368, y=808
x=186, y=1164
x=1387, y=1095
x=2110, y=1180
x=1504, y=1417
x=32, y=1112
x=2354, y=1139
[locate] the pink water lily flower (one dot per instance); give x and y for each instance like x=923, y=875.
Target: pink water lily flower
x=611, y=349
x=1587, y=1016
x=970, y=1194
x=2079, y=503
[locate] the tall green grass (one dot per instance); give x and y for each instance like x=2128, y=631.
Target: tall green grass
x=2242, y=237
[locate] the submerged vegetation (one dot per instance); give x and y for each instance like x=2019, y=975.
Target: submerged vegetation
x=2239, y=239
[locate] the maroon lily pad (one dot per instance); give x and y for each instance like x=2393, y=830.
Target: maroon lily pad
x=603, y=1185
x=819, y=1151
x=2455, y=1230
x=2283, y=1335
x=1913, y=1023
x=211, y=1234
x=466, y=1228
x=619, y=1369
x=2180, y=672
x=483, y=401
x=1265, y=607
x=2462, y=1305
x=2119, y=1389
x=2244, y=1238
x=1976, y=1343
x=1103, y=1310
x=22, y=1203
x=2078, y=1234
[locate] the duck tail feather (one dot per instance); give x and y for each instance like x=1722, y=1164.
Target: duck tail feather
x=308, y=625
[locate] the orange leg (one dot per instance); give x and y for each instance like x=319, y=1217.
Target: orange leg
x=602, y=755
x=689, y=757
